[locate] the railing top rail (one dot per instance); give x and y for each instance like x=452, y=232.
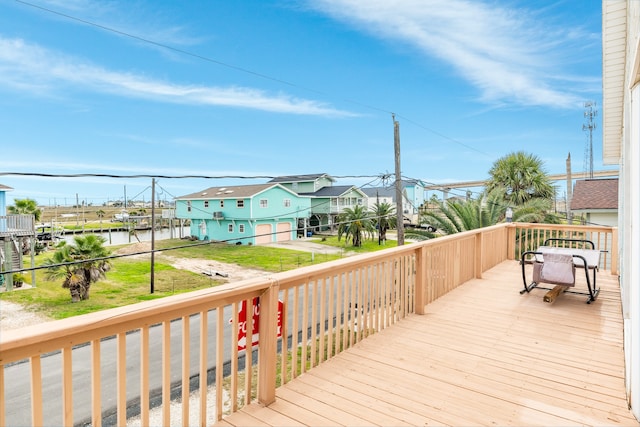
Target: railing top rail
x=529, y=225
x=43, y=338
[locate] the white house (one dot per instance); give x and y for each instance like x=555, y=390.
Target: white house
x=621, y=146
x=595, y=201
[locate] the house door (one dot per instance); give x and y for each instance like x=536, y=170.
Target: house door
x=283, y=232
x=263, y=234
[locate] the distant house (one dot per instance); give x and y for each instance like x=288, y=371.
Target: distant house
x=245, y=214
x=380, y=195
x=16, y=232
x=327, y=200
x=596, y=201
x=309, y=183
x=413, y=197
x=3, y=201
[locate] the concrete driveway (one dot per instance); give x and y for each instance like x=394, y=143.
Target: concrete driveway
x=310, y=245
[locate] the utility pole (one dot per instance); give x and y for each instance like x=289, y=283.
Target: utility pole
x=589, y=113
x=153, y=227
x=378, y=219
x=399, y=211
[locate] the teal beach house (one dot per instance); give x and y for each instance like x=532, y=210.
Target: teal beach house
x=245, y=214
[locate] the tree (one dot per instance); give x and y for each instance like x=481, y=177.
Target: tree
x=536, y=210
x=100, y=214
x=454, y=216
x=383, y=218
x=521, y=176
x=25, y=207
x=354, y=223
x=79, y=264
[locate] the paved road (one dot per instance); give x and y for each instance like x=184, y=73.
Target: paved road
x=18, y=402
x=17, y=377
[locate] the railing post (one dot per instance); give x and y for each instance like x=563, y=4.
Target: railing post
x=267, y=345
x=614, y=250
x=421, y=279
x=511, y=241
x=478, y=257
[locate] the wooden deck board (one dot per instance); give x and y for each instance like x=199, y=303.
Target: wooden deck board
x=481, y=355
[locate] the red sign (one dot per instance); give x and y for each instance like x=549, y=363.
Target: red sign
x=242, y=322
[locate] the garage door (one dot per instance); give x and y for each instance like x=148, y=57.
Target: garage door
x=284, y=232
x=263, y=234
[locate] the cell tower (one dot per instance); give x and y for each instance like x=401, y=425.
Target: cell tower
x=590, y=113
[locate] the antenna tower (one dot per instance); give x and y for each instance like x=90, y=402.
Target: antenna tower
x=590, y=113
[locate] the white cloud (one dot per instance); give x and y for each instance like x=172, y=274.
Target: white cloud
x=511, y=55
x=29, y=67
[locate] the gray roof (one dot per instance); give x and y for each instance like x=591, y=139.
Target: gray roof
x=390, y=190
x=380, y=191
x=229, y=192
x=301, y=178
x=333, y=191
x=5, y=188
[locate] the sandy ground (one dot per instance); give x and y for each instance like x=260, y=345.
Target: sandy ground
x=14, y=316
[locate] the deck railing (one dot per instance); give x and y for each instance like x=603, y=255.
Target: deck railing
x=203, y=341
x=527, y=237
x=17, y=225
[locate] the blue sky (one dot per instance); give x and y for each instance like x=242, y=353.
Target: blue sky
x=268, y=88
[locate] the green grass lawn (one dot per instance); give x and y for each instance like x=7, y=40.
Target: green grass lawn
x=259, y=257
x=129, y=279
x=368, y=245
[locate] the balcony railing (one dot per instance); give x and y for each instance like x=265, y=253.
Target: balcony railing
x=17, y=225
x=204, y=342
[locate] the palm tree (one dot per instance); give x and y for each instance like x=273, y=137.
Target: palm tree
x=79, y=264
x=25, y=207
x=383, y=219
x=454, y=216
x=521, y=176
x=354, y=223
x=100, y=214
x=536, y=210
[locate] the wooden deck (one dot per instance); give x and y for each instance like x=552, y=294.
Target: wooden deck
x=482, y=355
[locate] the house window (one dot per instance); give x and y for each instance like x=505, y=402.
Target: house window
x=230, y=228
x=286, y=203
x=264, y=203
x=189, y=206
x=359, y=202
x=239, y=203
x=240, y=228
x=222, y=203
x=206, y=203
